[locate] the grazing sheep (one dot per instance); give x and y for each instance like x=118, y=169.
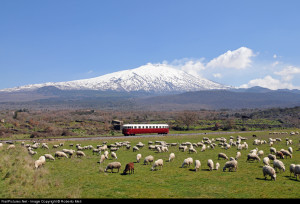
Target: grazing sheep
x=268, y=170
x=129, y=167
x=297, y=170
x=277, y=164
x=286, y=153
x=222, y=155
x=290, y=149
x=31, y=152
x=171, y=157
x=106, y=154
x=217, y=166
x=292, y=169
x=138, y=158
x=230, y=165
x=49, y=156
x=280, y=155
x=252, y=157
x=112, y=166
x=210, y=164
x=192, y=150
x=157, y=163
x=44, y=145
x=266, y=161
x=197, y=165
x=260, y=153
x=271, y=157
x=135, y=148
x=11, y=147
x=80, y=154
x=102, y=158
x=238, y=155
x=148, y=159
x=113, y=155
x=203, y=148
x=70, y=152
x=40, y=162
x=60, y=154
x=272, y=150
x=187, y=162
x=183, y=148
x=164, y=149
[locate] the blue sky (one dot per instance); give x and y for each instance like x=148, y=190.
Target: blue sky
x=240, y=43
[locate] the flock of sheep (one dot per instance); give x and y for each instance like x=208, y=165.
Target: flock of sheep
x=206, y=144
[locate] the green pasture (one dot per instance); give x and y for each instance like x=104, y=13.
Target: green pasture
x=85, y=178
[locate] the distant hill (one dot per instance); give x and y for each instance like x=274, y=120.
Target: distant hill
x=52, y=97
x=222, y=99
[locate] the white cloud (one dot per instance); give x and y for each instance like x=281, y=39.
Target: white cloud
x=217, y=75
x=288, y=73
x=237, y=59
x=190, y=66
x=270, y=83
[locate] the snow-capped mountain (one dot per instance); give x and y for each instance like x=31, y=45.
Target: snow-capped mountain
x=159, y=78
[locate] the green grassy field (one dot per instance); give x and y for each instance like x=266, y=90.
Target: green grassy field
x=85, y=178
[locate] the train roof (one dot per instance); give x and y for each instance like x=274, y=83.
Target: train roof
x=145, y=124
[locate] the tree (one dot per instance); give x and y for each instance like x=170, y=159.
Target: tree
x=187, y=118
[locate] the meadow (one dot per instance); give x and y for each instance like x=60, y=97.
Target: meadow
x=85, y=178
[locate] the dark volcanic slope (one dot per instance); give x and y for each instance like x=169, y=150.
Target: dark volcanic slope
x=218, y=99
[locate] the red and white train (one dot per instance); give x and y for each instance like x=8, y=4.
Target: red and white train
x=132, y=129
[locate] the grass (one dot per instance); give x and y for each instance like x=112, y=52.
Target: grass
x=85, y=178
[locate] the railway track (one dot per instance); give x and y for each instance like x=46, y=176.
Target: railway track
x=121, y=137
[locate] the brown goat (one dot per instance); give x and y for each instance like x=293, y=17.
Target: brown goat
x=129, y=167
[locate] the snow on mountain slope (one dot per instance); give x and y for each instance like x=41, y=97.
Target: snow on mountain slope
x=149, y=77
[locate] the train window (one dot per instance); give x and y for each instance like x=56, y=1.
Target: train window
x=139, y=126
x=146, y=127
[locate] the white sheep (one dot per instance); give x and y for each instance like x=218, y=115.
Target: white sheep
x=260, y=153
x=268, y=170
x=171, y=157
x=102, y=158
x=197, y=165
x=183, y=148
x=230, y=165
x=238, y=155
x=11, y=147
x=222, y=155
x=292, y=169
x=135, y=148
x=112, y=166
x=266, y=161
x=148, y=159
x=297, y=171
x=106, y=154
x=210, y=164
x=272, y=150
x=138, y=158
x=49, y=156
x=252, y=157
x=277, y=164
x=217, y=166
x=60, y=154
x=187, y=162
x=40, y=162
x=191, y=149
x=164, y=149
x=203, y=148
x=157, y=163
x=286, y=153
x=80, y=154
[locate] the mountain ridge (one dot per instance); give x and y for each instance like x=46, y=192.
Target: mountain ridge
x=160, y=78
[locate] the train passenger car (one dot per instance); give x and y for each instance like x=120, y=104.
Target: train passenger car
x=132, y=129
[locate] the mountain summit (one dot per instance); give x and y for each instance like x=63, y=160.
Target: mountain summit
x=158, y=78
